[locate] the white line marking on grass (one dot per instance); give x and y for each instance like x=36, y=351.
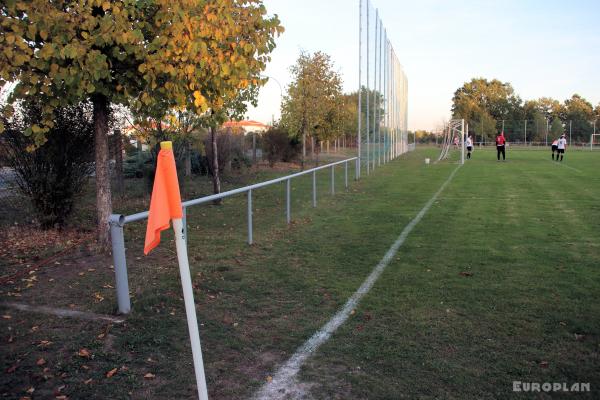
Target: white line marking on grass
x=285, y=384
x=62, y=313
x=566, y=166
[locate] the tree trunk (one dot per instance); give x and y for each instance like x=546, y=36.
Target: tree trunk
x=215, y=164
x=119, y=161
x=188, y=159
x=312, y=147
x=103, y=197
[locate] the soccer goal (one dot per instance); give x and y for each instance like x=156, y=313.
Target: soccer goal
x=595, y=141
x=453, y=136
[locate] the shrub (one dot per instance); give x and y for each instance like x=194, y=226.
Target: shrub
x=230, y=152
x=278, y=146
x=54, y=174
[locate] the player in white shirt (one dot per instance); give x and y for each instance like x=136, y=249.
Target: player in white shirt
x=469, y=144
x=562, y=145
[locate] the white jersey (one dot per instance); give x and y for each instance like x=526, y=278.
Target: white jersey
x=562, y=143
x=469, y=142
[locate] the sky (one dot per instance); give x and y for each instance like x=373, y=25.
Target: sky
x=543, y=48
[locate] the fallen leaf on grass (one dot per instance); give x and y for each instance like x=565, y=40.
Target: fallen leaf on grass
x=149, y=375
x=44, y=343
x=579, y=338
x=544, y=364
x=85, y=367
x=88, y=381
x=31, y=390
x=25, y=398
x=40, y=362
x=110, y=373
x=269, y=378
x=466, y=274
x=6, y=316
x=98, y=297
x=84, y=353
x=12, y=369
x=61, y=397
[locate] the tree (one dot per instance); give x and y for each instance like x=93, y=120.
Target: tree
x=557, y=128
x=480, y=101
x=313, y=101
x=186, y=53
x=349, y=116
x=579, y=115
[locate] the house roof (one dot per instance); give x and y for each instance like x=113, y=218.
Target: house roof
x=245, y=124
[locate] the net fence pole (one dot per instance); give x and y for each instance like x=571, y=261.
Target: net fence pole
x=570, y=132
x=386, y=100
x=380, y=95
x=358, y=133
x=368, y=94
x=462, y=139
x=375, y=99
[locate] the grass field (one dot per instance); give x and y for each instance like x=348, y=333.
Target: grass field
x=498, y=283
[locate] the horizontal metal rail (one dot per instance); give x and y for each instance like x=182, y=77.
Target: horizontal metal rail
x=118, y=221
x=207, y=199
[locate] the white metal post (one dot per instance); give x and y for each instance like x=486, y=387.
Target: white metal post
x=525, y=132
x=375, y=93
x=120, y=263
x=358, y=133
x=314, y=182
x=462, y=139
x=346, y=174
x=380, y=94
x=368, y=95
x=288, y=201
x=332, y=180
x=190, y=307
x=184, y=220
x=386, y=111
x=570, y=132
x=250, y=216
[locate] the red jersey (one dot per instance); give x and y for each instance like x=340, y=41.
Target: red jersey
x=500, y=141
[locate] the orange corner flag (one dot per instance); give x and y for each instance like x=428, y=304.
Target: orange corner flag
x=165, y=203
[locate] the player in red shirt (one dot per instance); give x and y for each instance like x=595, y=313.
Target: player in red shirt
x=501, y=146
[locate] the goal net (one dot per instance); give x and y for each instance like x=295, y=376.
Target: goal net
x=452, y=137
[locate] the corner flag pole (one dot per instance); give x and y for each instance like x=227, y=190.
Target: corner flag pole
x=165, y=206
x=190, y=307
